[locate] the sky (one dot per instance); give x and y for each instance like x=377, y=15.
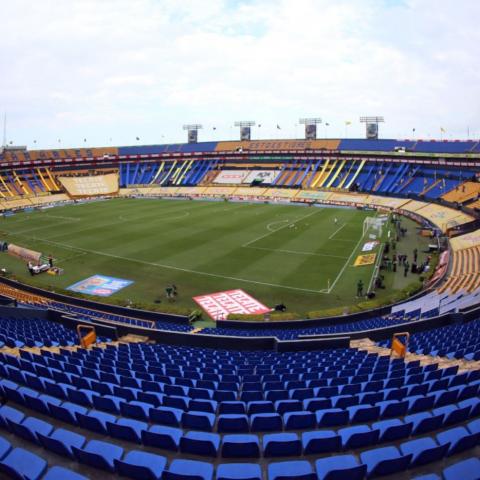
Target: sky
x=97, y=73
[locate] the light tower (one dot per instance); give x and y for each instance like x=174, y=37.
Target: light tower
x=310, y=127
x=371, y=126
x=245, y=128
x=193, y=132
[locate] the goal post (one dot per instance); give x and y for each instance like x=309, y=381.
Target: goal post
x=374, y=226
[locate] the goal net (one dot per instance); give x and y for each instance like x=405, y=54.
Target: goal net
x=373, y=226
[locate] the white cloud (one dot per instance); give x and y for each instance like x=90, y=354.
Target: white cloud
x=122, y=68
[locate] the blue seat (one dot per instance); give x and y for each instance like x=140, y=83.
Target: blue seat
x=393, y=429
x=466, y=470
x=203, y=405
x=281, y=445
x=141, y=465
x=232, y=423
x=9, y=415
x=61, y=442
x=22, y=464
x=294, y=470
x=136, y=409
x=188, y=470
x=474, y=426
x=284, y=406
x=340, y=467
x=30, y=428
x=200, y=443
x=299, y=420
x=473, y=403
x=331, y=417
x=363, y=413
x=458, y=440
x=321, y=441
x=314, y=404
x=99, y=454
x=384, y=461
x=43, y=403
x=166, y=416
x=61, y=473
x=240, y=445
x=232, y=408
x=424, y=422
x=95, y=421
x=108, y=403
x=164, y=437
x=5, y=447
x=266, y=422
x=127, y=429
x=198, y=420
x=67, y=412
x=262, y=406
x=452, y=414
x=392, y=408
x=358, y=436
x=423, y=450
x=239, y=471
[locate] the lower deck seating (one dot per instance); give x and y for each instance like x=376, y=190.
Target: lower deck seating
x=452, y=341
x=293, y=333
x=32, y=332
x=156, y=411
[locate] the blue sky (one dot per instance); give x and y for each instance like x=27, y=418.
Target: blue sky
x=113, y=70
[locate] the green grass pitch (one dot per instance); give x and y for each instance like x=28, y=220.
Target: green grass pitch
x=277, y=253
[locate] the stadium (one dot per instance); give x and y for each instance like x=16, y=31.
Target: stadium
x=290, y=298
x=245, y=384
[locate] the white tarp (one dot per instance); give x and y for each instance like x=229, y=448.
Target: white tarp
x=267, y=176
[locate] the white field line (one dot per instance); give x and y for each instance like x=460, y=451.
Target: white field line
x=183, y=215
x=345, y=265
x=66, y=259
x=348, y=260
x=275, y=223
x=296, y=252
x=336, y=231
x=28, y=230
x=280, y=228
x=73, y=219
x=172, y=267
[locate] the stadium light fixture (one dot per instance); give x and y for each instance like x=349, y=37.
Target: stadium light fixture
x=193, y=129
x=310, y=127
x=245, y=128
x=371, y=126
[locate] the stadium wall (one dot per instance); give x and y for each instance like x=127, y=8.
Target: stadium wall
x=101, y=307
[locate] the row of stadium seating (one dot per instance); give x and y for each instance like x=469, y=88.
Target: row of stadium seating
x=435, y=400
x=361, y=145
x=293, y=333
x=20, y=183
x=20, y=332
x=452, y=341
x=387, y=177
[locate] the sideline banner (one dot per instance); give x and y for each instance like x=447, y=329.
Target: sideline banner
x=100, y=285
x=365, y=260
x=218, y=305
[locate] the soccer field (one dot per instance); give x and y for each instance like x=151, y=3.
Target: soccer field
x=277, y=253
